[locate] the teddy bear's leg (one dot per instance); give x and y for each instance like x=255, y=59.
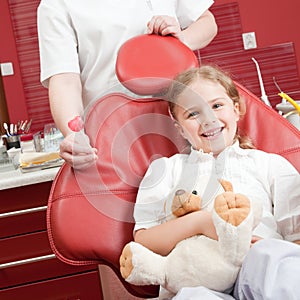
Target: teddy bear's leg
x=233, y=219
x=126, y=261
x=141, y=266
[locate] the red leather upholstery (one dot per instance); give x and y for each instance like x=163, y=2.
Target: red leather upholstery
x=145, y=63
x=268, y=130
x=89, y=214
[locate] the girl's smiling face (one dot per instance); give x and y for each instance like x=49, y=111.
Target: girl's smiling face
x=206, y=116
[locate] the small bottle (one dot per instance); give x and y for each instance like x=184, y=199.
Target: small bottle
x=3, y=152
x=27, y=144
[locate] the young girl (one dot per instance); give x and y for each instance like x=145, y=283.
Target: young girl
x=206, y=107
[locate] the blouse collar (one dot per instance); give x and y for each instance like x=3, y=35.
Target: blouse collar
x=201, y=156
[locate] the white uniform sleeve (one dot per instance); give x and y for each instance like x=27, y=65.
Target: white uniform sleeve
x=154, y=189
x=285, y=186
x=57, y=41
x=189, y=11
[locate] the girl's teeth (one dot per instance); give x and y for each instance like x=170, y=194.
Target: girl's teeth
x=212, y=133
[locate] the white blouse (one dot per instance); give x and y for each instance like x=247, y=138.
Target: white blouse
x=264, y=177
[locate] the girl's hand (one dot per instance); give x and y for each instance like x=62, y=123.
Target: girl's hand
x=76, y=150
x=164, y=25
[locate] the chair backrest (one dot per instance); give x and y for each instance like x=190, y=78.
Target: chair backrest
x=268, y=130
x=90, y=213
x=89, y=216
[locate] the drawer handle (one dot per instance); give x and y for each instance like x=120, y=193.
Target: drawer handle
x=22, y=212
x=26, y=261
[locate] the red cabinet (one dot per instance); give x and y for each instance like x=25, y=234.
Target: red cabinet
x=28, y=268
x=78, y=286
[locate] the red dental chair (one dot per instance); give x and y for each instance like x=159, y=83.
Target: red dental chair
x=89, y=214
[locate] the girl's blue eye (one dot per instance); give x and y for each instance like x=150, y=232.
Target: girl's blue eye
x=217, y=105
x=193, y=114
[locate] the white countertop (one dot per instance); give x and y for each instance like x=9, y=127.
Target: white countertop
x=16, y=178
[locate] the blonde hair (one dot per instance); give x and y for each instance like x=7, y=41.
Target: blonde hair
x=214, y=74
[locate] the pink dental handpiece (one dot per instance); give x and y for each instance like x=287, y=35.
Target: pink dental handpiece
x=76, y=124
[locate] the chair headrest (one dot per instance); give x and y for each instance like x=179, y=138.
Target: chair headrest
x=146, y=63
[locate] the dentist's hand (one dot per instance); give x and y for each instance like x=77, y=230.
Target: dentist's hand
x=164, y=25
x=76, y=150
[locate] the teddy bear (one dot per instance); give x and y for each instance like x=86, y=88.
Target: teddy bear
x=198, y=260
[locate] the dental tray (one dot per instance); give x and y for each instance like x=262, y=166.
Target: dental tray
x=46, y=165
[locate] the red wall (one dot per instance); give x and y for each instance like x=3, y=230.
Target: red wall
x=273, y=22
x=13, y=84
